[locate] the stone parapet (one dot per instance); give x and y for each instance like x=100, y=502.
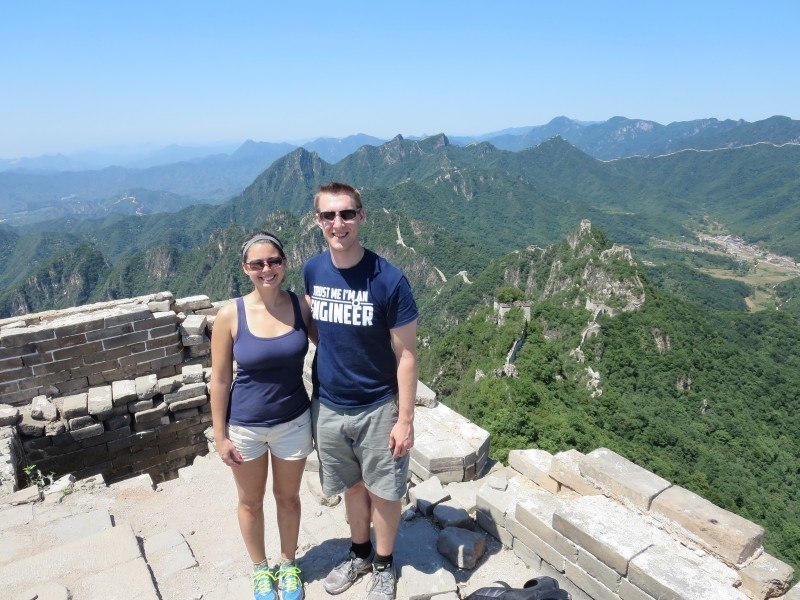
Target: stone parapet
x=623, y=479
x=447, y=445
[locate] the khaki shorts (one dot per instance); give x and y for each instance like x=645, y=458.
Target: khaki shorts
x=289, y=441
x=353, y=446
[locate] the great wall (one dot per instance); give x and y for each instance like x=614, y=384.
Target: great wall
x=112, y=398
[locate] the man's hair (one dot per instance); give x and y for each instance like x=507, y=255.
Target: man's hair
x=336, y=189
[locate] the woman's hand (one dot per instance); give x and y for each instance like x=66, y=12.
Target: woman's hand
x=228, y=453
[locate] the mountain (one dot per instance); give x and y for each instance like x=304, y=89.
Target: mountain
x=622, y=137
x=46, y=163
x=333, y=150
x=482, y=201
x=703, y=398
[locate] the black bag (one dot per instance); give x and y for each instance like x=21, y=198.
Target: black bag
x=541, y=588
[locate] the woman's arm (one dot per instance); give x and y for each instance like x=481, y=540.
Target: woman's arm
x=221, y=379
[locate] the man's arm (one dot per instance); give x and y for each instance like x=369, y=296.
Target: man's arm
x=404, y=342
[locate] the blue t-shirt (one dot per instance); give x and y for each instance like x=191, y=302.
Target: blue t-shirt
x=354, y=309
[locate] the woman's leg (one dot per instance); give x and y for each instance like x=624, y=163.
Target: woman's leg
x=251, y=483
x=286, y=478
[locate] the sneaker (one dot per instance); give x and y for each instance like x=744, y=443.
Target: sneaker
x=346, y=573
x=290, y=583
x=265, y=584
x=383, y=584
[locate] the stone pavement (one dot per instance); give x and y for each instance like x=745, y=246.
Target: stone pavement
x=181, y=541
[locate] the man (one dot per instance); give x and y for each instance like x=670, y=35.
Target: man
x=364, y=386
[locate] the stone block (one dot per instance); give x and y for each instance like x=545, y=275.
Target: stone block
x=461, y=547
x=9, y=415
x=427, y=495
x=593, y=588
x=446, y=442
x=535, y=465
x=140, y=405
x=452, y=514
x=146, y=386
x=528, y=556
x=192, y=374
x=168, y=385
x=152, y=416
x=100, y=402
x=465, y=493
x=597, y=570
x=425, y=396
x=622, y=478
x=30, y=426
x=538, y=545
x=118, y=422
x=123, y=391
x=604, y=528
x=766, y=577
x=191, y=303
x=193, y=325
x=43, y=410
x=186, y=391
x=535, y=513
x=725, y=534
x=664, y=571
x=88, y=431
x=74, y=406
x=53, y=428
x=565, y=468
x=182, y=405
x=628, y=591
x=81, y=525
x=155, y=306
x=414, y=584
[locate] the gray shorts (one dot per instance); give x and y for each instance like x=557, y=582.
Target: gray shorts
x=353, y=446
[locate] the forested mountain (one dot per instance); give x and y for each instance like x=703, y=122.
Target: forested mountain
x=484, y=202
x=705, y=398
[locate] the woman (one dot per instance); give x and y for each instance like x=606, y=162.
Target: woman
x=266, y=410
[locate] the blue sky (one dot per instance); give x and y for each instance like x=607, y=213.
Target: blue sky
x=81, y=75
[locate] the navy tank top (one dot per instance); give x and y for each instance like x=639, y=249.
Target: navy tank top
x=268, y=388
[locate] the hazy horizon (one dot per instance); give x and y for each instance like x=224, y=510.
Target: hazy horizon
x=91, y=75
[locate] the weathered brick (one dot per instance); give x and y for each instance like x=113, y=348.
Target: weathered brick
x=186, y=391
x=36, y=358
x=124, y=340
x=188, y=403
x=12, y=338
x=175, y=358
x=724, y=533
x=73, y=406
x=593, y=588
x=102, y=334
x=140, y=314
x=142, y=357
x=8, y=364
x=73, y=385
x=160, y=319
x=99, y=402
x=163, y=342
x=118, y=422
x=624, y=479
x=81, y=326
x=56, y=366
x=76, y=350
x=123, y=391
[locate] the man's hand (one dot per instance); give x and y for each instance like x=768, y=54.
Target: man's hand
x=401, y=439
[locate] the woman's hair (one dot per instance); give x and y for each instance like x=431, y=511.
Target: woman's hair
x=261, y=237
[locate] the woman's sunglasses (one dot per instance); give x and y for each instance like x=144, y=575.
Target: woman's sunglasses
x=258, y=265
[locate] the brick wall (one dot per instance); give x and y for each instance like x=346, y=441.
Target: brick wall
x=117, y=388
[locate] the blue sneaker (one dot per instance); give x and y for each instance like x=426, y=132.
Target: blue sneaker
x=290, y=583
x=265, y=584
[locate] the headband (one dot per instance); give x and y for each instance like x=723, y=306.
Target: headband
x=261, y=237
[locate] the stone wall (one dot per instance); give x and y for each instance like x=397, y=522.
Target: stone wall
x=618, y=531
x=118, y=388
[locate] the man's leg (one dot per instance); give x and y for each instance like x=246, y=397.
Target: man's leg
x=386, y=520
x=357, y=502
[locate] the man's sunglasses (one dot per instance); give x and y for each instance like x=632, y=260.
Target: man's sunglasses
x=258, y=265
x=346, y=215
